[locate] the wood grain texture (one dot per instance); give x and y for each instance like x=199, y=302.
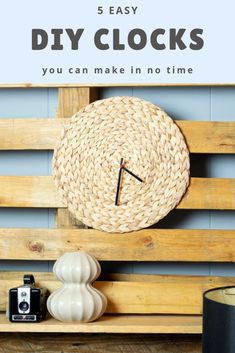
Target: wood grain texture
x=40, y=191
x=99, y=343
x=43, y=134
x=209, y=193
x=23, y=191
x=158, y=295
x=73, y=99
x=70, y=101
x=30, y=134
x=113, y=324
x=145, y=245
x=208, y=136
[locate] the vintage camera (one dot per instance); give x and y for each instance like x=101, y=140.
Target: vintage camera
x=27, y=303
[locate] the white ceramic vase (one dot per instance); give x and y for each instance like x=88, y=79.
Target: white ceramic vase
x=76, y=300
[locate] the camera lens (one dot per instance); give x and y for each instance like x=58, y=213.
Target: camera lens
x=23, y=306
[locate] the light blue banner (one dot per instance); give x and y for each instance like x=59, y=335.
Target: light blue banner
x=117, y=42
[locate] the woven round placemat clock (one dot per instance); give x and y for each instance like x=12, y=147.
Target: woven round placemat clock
x=121, y=164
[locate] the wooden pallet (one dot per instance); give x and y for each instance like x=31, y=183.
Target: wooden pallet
x=154, y=304
x=113, y=324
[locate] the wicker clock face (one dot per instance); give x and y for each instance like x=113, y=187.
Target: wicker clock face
x=121, y=165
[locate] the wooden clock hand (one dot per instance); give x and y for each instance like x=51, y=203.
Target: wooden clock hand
x=119, y=181
x=135, y=176
x=122, y=167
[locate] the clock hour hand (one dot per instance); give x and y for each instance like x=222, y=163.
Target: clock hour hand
x=119, y=181
x=135, y=176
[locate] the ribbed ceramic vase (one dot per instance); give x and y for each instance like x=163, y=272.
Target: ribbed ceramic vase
x=76, y=300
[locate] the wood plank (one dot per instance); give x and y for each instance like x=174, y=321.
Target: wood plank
x=113, y=324
x=209, y=193
x=48, y=279
x=43, y=134
x=145, y=245
x=30, y=134
x=33, y=191
x=105, y=343
x=40, y=191
x=159, y=295
x=208, y=136
x=70, y=101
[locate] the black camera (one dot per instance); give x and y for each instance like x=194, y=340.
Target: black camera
x=27, y=303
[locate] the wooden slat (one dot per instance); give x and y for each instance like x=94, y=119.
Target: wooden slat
x=113, y=324
x=145, y=245
x=73, y=99
x=29, y=134
x=70, y=101
x=209, y=193
x=21, y=191
x=40, y=191
x=159, y=295
x=43, y=134
x=208, y=136
x=105, y=343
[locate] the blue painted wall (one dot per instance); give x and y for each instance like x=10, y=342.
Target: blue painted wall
x=194, y=103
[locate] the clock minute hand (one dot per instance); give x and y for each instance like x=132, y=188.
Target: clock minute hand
x=135, y=176
x=119, y=181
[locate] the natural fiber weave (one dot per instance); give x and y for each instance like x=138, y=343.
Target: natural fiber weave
x=87, y=159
